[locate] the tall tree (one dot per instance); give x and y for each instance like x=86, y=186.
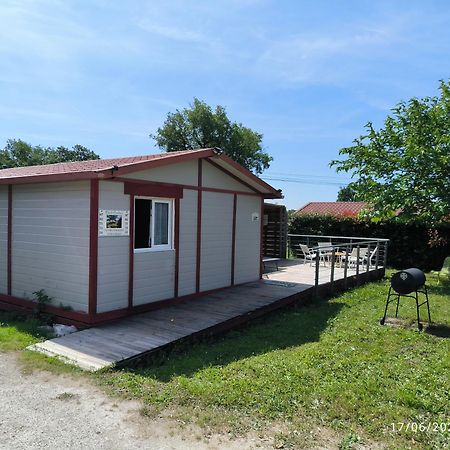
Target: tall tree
x=347, y=194
x=199, y=126
x=406, y=163
x=17, y=153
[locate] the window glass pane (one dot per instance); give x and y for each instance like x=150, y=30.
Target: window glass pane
x=142, y=209
x=161, y=231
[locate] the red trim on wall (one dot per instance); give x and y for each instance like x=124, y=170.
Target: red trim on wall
x=232, y=175
x=153, y=190
x=183, y=186
x=78, y=317
x=119, y=313
x=93, y=247
x=199, y=228
x=176, y=243
x=233, y=239
x=261, y=241
x=28, y=305
x=76, y=176
x=273, y=193
x=9, y=243
x=131, y=255
x=140, y=165
x=159, y=162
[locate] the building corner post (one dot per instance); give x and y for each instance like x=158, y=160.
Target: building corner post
x=93, y=247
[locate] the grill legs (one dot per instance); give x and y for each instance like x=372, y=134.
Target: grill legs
x=393, y=296
x=388, y=300
x=428, y=304
x=419, y=325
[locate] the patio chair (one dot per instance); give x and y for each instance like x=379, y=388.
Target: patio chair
x=325, y=249
x=353, y=257
x=444, y=273
x=308, y=254
x=371, y=257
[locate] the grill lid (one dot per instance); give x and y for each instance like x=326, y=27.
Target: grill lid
x=408, y=280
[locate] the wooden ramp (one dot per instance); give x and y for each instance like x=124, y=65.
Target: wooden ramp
x=128, y=338
x=103, y=346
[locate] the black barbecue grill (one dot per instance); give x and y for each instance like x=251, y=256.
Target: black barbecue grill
x=408, y=283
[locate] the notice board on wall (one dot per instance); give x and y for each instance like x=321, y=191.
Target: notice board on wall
x=113, y=223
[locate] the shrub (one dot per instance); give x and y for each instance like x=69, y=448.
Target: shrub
x=411, y=244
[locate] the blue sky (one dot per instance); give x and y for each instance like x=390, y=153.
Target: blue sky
x=308, y=75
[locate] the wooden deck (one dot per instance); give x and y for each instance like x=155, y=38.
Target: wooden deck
x=106, y=345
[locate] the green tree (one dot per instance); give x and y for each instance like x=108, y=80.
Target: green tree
x=347, y=194
x=199, y=126
x=17, y=153
x=406, y=163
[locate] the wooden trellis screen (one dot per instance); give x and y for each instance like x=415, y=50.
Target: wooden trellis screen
x=275, y=221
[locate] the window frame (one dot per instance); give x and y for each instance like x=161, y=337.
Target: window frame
x=170, y=224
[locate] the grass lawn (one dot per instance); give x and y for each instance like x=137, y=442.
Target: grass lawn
x=17, y=331
x=327, y=366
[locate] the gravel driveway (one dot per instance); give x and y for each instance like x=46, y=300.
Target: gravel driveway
x=47, y=411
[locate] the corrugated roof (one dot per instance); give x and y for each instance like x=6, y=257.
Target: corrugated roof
x=349, y=209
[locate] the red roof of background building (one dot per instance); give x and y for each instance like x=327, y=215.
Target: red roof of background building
x=343, y=209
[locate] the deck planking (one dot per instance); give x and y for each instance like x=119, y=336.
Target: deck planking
x=106, y=345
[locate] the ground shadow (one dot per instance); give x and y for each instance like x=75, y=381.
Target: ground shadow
x=25, y=323
x=438, y=330
x=439, y=289
x=290, y=327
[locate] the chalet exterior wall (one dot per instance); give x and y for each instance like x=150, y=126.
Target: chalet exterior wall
x=182, y=173
x=216, y=243
x=247, y=261
x=3, y=239
x=53, y=231
x=50, y=242
x=215, y=178
x=154, y=275
x=113, y=262
x=188, y=243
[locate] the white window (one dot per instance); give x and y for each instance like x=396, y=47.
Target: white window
x=153, y=224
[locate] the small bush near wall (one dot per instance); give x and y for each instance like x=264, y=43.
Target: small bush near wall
x=411, y=244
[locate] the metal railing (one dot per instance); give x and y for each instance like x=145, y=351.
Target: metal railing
x=338, y=257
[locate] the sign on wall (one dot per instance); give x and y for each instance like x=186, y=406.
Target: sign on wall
x=113, y=223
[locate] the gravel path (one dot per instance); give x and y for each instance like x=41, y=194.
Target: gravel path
x=47, y=411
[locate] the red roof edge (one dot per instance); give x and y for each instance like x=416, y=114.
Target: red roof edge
x=153, y=163
x=303, y=207
x=117, y=170
x=274, y=193
x=349, y=209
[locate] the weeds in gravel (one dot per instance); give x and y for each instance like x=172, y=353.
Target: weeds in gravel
x=328, y=367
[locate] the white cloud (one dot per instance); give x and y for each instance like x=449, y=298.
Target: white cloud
x=170, y=32
x=328, y=56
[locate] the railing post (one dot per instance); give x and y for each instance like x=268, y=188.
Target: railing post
x=368, y=258
x=357, y=265
x=385, y=254
x=333, y=254
x=377, y=259
x=317, y=273
x=347, y=255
